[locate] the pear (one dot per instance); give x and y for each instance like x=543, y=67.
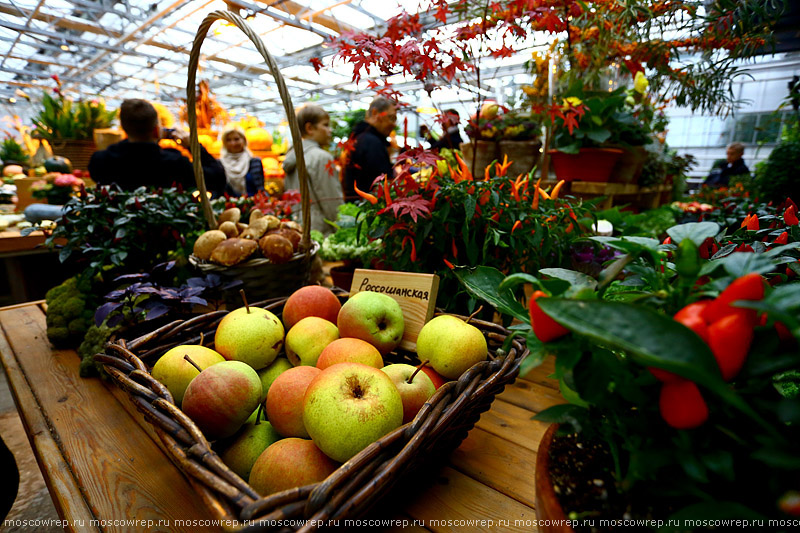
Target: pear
x=175, y=372
x=270, y=373
x=243, y=449
x=250, y=334
x=451, y=345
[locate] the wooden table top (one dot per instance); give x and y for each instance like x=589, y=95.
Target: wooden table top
x=106, y=472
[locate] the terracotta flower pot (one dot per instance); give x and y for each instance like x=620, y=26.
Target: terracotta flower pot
x=630, y=164
x=523, y=154
x=486, y=152
x=547, y=505
x=590, y=164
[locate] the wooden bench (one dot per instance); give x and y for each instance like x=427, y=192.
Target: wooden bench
x=106, y=472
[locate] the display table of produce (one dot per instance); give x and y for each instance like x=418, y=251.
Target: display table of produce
x=102, y=462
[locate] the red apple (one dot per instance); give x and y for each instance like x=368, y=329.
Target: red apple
x=312, y=300
x=414, y=392
x=222, y=397
x=285, y=400
x=349, y=350
x=437, y=379
x=290, y=463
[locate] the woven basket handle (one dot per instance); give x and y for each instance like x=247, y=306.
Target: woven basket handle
x=191, y=100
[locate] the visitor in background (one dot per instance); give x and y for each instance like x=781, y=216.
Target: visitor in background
x=451, y=137
x=139, y=160
x=720, y=175
x=324, y=185
x=370, y=156
x=244, y=174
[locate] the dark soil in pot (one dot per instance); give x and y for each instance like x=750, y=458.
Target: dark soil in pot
x=582, y=475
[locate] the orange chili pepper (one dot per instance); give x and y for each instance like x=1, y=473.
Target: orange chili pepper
x=371, y=198
x=501, y=169
x=556, y=190
x=386, y=195
x=569, y=228
x=455, y=249
x=535, y=204
x=544, y=194
x=745, y=221
x=486, y=175
x=465, y=172
x=516, y=226
x=752, y=224
x=449, y=264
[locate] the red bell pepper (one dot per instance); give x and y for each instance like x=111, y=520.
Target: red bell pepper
x=681, y=404
x=747, y=287
x=545, y=328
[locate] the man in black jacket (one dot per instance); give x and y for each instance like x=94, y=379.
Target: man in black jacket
x=139, y=161
x=370, y=156
x=721, y=175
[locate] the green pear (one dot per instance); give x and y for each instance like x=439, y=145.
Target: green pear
x=268, y=374
x=451, y=345
x=175, y=372
x=251, y=335
x=241, y=452
x=306, y=340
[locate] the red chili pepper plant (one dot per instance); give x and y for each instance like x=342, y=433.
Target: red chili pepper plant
x=683, y=368
x=453, y=218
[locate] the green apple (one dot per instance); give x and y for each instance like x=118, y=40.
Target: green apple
x=268, y=374
x=373, y=317
x=306, y=340
x=349, y=350
x=250, y=334
x=246, y=446
x=285, y=400
x=349, y=406
x=290, y=463
x=451, y=345
x=414, y=386
x=175, y=372
x=222, y=397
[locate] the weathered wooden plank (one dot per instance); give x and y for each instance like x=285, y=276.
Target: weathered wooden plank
x=456, y=502
x=539, y=375
x=118, y=468
x=513, y=424
x=63, y=486
x=531, y=396
x=502, y=465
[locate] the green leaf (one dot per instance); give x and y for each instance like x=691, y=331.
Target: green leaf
x=469, y=206
x=483, y=282
x=559, y=414
x=650, y=338
x=740, y=263
x=517, y=279
x=576, y=279
x=599, y=136
x=698, y=232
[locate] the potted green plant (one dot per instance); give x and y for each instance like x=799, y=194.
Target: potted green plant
x=581, y=126
x=69, y=125
x=12, y=153
x=681, y=376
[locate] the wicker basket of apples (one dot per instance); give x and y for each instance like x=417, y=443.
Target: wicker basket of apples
x=304, y=407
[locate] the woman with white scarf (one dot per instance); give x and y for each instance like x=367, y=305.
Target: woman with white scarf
x=243, y=172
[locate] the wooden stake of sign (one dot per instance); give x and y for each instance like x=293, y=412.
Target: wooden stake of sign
x=416, y=294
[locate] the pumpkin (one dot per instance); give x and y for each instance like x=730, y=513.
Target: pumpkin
x=206, y=141
x=270, y=163
x=258, y=139
x=58, y=163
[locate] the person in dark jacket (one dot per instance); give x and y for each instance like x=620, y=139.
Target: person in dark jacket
x=243, y=171
x=720, y=176
x=370, y=156
x=139, y=160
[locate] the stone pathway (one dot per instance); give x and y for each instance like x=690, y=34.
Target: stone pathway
x=33, y=500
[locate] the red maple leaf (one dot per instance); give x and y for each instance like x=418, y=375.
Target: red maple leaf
x=419, y=155
x=414, y=206
x=317, y=63
x=505, y=51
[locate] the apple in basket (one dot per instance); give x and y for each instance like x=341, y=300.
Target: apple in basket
x=414, y=386
x=222, y=397
x=349, y=350
x=244, y=448
x=306, y=340
x=312, y=300
x=451, y=345
x=349, y=406
x=290, y=463
x=270, y=373
x=285, y=400
x=250, y=334
x=175, y=372
x=373, y=317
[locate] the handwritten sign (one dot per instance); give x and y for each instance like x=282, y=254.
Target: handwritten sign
x=416, y=294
